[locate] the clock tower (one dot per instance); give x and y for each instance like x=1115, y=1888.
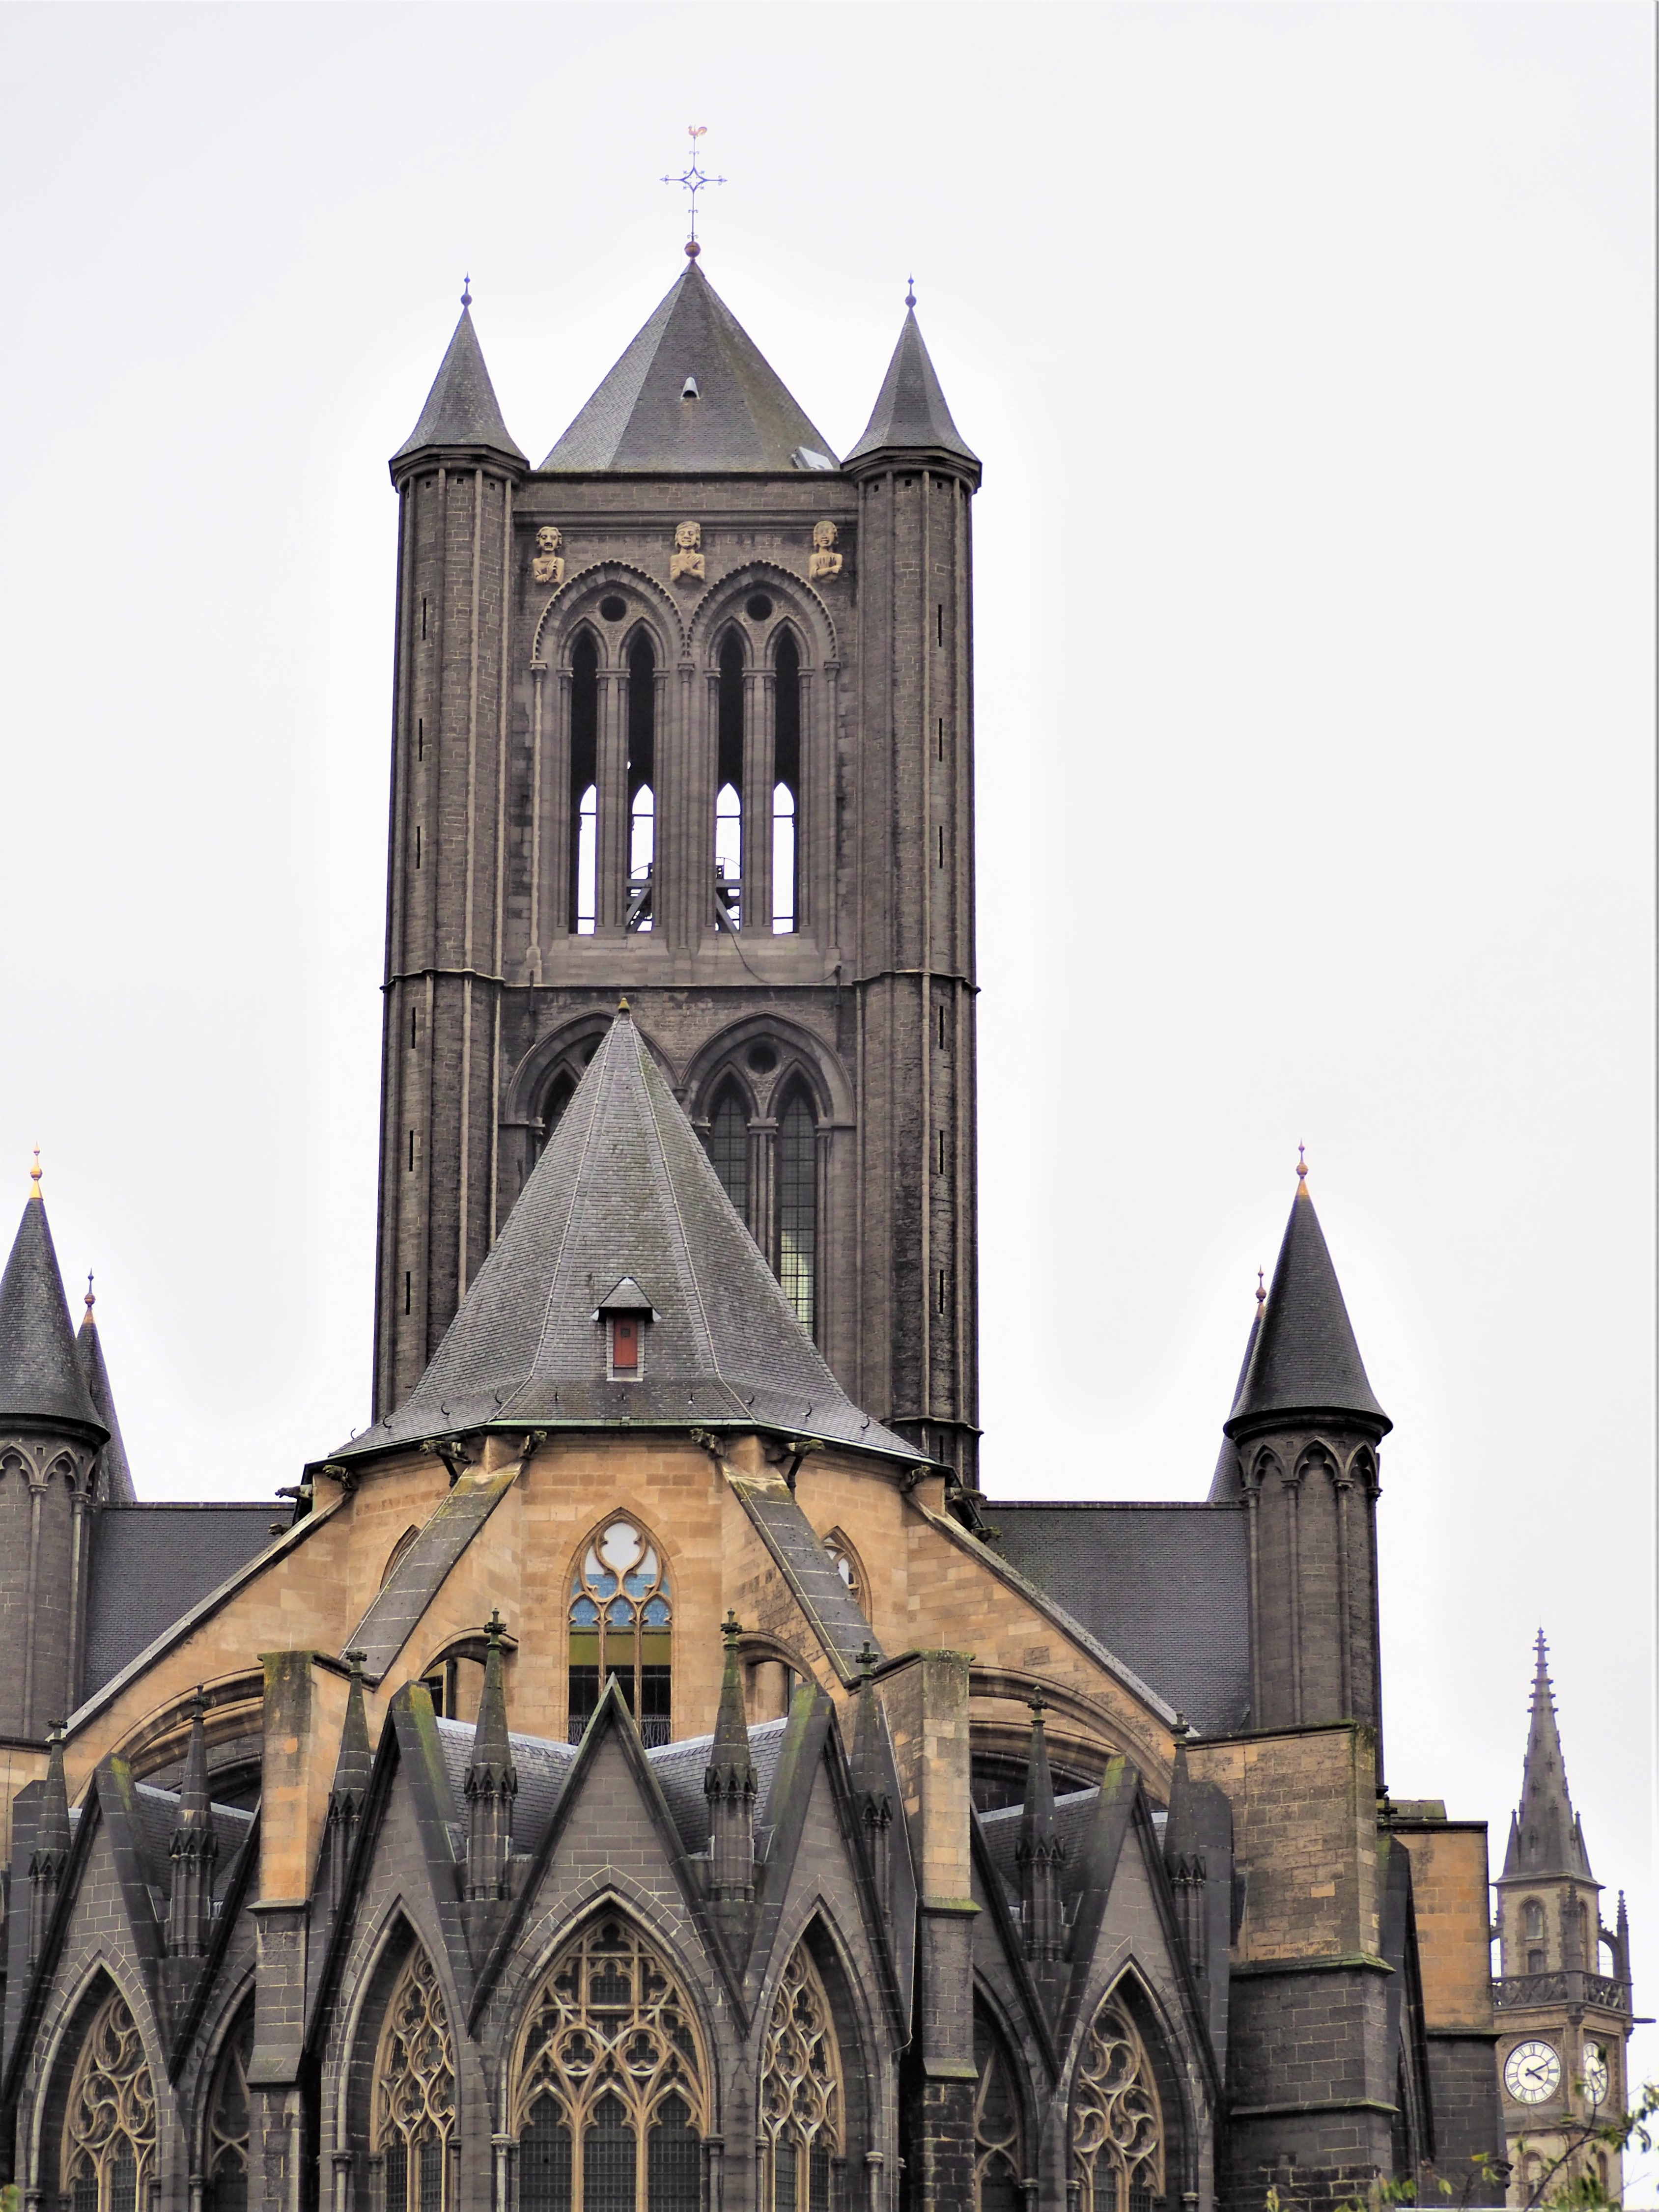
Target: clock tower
x=1563, y=2008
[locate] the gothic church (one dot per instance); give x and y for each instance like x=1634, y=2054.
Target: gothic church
x=639, y=1771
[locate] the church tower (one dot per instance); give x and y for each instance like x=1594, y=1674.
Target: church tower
x=686, y=715
x=1565, y=2023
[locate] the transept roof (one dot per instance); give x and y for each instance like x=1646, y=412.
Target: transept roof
x=625, y=1188
x=692, y=391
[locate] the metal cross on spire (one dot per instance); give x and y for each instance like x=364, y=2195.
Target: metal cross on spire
x=691, y=181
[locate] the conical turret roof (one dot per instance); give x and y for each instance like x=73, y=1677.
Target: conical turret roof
x=1228, y=1480
x=910, y=410
x=41, y=1377
x=1545, y=1837
x=738, y=414
x=625, y=1188
x=112, y=1485
x=461, y=409
x=1305, y=1358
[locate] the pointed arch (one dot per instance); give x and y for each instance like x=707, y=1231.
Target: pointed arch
x=586, y=657
x=796, y=1260
x=413, y=2093
x=106, y=2150
x=639, y=658
x=621, y=1626
x=803, y=2091
x=727, y=1142
x=1002, y=2119
x=608, y=2084
x=1131, y=2127
x=223, y=2154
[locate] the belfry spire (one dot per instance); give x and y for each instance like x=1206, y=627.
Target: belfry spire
x=1545, y=1837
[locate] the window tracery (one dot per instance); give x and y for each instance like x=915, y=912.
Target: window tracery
x=225, y=2153
x=609, y=2054
x=1117, y=2121
x=621, y=1625
x=801, y=2099
x=415, y=2093
x=109, y=2130
x=728, y=1148
x=798, y=1209
x=844, y=1560
x=998, y=2157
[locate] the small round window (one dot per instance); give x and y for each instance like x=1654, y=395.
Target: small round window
x=613, y=608
x=758, y=607
x=762, y=1059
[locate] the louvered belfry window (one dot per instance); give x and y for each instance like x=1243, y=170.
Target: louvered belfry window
x=415, y=2093
x=621, y=1626
x=109, y=2130
x=802, y=2097
x=1117, y=2121
x=609, y=2082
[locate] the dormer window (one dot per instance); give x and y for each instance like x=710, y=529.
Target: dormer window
x=689, y=389
x=625, y=1313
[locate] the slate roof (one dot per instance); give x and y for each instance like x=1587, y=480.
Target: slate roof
x=155, y=1815
x=150, y=1564
x=41, y=1377
x=1305, y=1358
x=743, y=417
x=1072, y=1814
x=461, y=409
x=1166, y=1588
x=910, y=410
x=624, y=1187
x=1545, y=1835
x=113, y=1482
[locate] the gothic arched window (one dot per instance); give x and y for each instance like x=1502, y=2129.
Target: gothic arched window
x=109, y=2130
x=584, y=786
x=224, y=2153
x=1117, y=2121
x=641, y=781
x=728, y=1148
x=415, y=2093
x=786, y=789
x=1534, y=1912
x=998, y=2162
x=621, y=1625
x=728, y=786
x=609, y=2054
x=845, y=1562
x=801, y=2100
x=797, y=1208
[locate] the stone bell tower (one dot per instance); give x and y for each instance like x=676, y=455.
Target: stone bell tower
x=686, y=715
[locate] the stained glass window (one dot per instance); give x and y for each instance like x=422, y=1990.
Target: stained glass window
x=609, y=2053
x=621, y=1625
x=797, y=1208
x=1117, y=2123
x=415, y=2092
x=801, y=2097
x=109, y=2131
x=728, y=1149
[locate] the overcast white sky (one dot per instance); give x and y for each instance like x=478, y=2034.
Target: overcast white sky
x=1310, y=352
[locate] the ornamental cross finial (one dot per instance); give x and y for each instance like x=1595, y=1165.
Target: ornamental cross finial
x=691, y=181
x=466, y=291
x=910, y=291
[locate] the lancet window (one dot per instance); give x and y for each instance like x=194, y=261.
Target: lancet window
x=109, y=2130
x=802, y=2100
x=415, y=2093
x=225, y=2149
x=1117, y=2121
x=610, y=2085
x=998, y=2162
x=786, y=789
x=797, y=1208
x=728, y=787
x=621, y=1626
x=584, y=787
x=844, y=1560
x=641, y=781
x=728, y=1148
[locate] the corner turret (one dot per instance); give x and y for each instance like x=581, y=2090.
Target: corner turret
x=492, y=1782
x=461, y=422
x=910, y=420
x=112, y=1477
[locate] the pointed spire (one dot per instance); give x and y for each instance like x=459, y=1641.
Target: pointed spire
x=193, y=1848
x=729, y=1783
x=111, y=1481
x=351, y=1772
x=870, y=1779
x=1039, y=1854
x=461, y=414
x=40, y=1378
x=1545, y=1837
x=1304, y=1358
x=1228, y=1480
x=52, y=1838
x=910, y=413
x=492, y=1781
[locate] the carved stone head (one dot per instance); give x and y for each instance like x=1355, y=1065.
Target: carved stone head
x=824, y=536
x=689, y=536
x=549, y=539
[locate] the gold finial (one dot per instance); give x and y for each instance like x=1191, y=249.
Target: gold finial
x=1301, y=1171
x=622, y=1006
x=90, y=1302
x=1260, y=1292
x=34, y=1175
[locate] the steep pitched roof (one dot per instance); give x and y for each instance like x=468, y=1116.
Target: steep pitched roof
x=40, y=1378
x=1228, y=1480
x=624, y=1187
x=151, y=1564
x=461, y=409
x=1546, y=1836
x=112, y=1485
x=1304, y=1359
x=642, y=416
x=910, y=410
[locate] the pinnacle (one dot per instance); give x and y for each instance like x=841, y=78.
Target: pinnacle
x=1302, y=1357
x=910, y=410
x=461, y=410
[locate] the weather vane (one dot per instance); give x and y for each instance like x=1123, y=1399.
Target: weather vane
x=691, y=181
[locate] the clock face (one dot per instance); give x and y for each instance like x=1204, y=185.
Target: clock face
x=1596, y=2078
x=1532, y=2072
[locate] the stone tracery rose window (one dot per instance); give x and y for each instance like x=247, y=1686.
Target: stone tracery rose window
x=1117, y=2122
x=109, y=2130
x=621, y=1625
x=802, y=2100
x=608, y=2061
x=415, y=2093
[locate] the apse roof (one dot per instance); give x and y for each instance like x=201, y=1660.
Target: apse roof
x=692, y=392
x=625, y=1188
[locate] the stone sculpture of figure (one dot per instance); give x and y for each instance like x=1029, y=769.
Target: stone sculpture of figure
x=825, y=561
x=685, y=561
x=548, y=568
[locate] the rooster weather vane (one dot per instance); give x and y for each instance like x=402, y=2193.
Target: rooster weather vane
x=691, y=181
